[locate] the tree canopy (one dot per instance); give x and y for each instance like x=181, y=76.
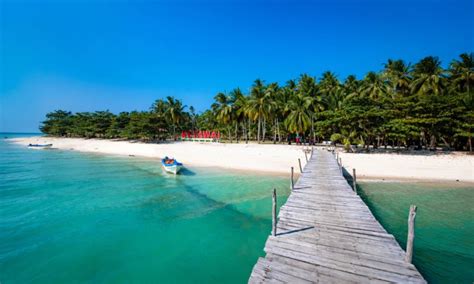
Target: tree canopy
x=421, y=105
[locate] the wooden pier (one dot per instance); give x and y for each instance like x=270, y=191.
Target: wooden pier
x=326, y=234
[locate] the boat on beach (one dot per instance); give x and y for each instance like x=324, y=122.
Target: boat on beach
x=40, y=146
x=170, y=165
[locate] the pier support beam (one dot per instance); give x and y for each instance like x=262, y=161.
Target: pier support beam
x=354, y=180
x=299, y=162
x=411, y=234
x=306, y=156
x=274, y=213
x=292, y=181
x=340, y=165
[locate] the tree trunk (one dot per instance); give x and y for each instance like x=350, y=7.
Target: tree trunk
x=264, y=128
x=236, y=130
x=248, y=131
x=258, y=130
x=278, y=129
x=432, y=142
x=446, y=142
x=469, y=141
x=275, y=132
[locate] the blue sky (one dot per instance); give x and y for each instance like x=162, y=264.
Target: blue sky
x=86, y=55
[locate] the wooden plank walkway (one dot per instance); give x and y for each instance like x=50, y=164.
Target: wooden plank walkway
x=326, y=234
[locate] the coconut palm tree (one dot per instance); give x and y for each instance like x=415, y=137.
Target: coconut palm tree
x=328, y=84
x=239, y=104
x=174, y=110
x=428, y=77
x=462, y=73
x=308, y=87
x=398, y=75
x=351, y=85
x=335, y=101
x=299, y=114
x=273, y=93
x=258, y=106
x=373, y=86
x=193, y=117
x=224, y=111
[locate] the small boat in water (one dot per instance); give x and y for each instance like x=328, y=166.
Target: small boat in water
x=171, y=165
x=40, y=146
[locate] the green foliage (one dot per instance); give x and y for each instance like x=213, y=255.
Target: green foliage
x=158, y=123
x=420, y=105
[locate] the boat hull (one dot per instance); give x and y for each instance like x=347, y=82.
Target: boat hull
x=40, y=146
x=172, y=169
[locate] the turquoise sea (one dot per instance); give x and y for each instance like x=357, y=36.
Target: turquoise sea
x=444, y=228
x=69, y=217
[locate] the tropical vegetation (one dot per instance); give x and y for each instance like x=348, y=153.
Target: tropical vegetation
x=421, y=105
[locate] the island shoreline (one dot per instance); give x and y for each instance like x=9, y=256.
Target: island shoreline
x=269, y=159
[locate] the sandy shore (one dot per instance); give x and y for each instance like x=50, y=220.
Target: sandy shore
x=435, y=167
x=278, y=158
x=246, y=157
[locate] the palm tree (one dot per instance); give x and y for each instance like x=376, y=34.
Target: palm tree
x=428, y=77
x=224, y=111
x=239, y=101
x=462, y=73
x=174, y=111
x=308, y=87
x=398, y=75
x=299, y=114
x=335, y=101
x=328, y=84
x=258, y=106
x=351, y=85
x=284, y=97
x=373, y=86
x=272, y=92
x=467, y=125
x=193, y=116
x=328, y=89
x=428, y=82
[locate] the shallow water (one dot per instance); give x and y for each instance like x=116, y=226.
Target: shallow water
x=74, y=217
x=444, y=229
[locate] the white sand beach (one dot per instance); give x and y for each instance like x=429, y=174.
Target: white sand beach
x=277, y=158
x=435, y=167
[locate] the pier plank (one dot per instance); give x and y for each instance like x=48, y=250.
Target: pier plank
x=327, y=234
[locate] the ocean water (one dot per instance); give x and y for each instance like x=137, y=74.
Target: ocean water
x=444, y=226
x=68, y=217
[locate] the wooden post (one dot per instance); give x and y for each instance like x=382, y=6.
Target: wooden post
x=299, y=162
x=340, y=164
x=411, y=234
x=274, y=213
x=306, y=156
x=354, y=180
x=292, y=182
